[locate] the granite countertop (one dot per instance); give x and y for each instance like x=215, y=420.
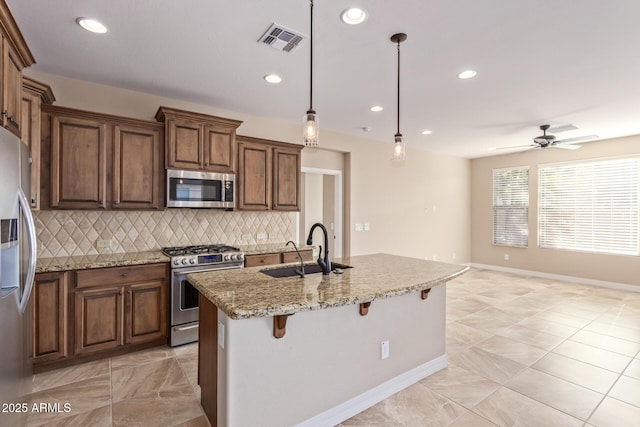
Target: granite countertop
x=248, y=293
x=268, y=248
x=84, y=262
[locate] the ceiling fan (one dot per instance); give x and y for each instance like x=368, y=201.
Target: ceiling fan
x=549, y=141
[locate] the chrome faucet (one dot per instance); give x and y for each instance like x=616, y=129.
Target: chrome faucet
x=324, y=263
x=300, y=270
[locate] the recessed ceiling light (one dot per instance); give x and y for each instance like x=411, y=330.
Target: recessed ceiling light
x=273, y=78
x=467, y=74
x=92, y=25
x=353, y=15
x=376, y=109
x=427, y=132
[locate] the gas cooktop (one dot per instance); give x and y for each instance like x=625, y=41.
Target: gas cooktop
x=214, y=256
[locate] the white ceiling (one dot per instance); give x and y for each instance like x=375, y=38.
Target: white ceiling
x=542, y=61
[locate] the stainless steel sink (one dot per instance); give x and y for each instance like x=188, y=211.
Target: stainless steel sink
x=290, y=271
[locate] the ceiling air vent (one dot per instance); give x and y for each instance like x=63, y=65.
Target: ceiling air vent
x=281, y=38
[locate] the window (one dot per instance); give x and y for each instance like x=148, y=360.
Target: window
x=511, y=207
x=590, y=206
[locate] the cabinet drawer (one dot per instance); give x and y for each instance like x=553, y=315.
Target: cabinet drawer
x=120, y=275
x=262, y=259
x=293, y=257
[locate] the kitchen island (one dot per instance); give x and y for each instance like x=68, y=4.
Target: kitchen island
x=308, y=351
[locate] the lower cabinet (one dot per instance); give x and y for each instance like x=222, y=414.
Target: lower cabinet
x=113, y=308
x=77, y=314
x=49, y=317
x=276, y=258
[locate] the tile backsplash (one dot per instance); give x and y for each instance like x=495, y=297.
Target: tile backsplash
x=71, y=233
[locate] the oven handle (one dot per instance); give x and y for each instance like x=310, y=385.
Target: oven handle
x=185, y=328
x=205, y=270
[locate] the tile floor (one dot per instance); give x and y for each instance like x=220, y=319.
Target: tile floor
x=522, y=352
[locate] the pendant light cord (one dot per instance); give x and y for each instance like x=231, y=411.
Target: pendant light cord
x=398, y=120
x=311, y=61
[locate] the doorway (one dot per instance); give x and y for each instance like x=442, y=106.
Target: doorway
x=322, y=202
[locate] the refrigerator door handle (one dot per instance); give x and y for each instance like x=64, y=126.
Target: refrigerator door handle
x=31, y=236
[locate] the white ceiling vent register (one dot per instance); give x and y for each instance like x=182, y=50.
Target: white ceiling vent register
x=281, y=38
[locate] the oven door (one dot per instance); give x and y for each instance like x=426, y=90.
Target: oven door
x=184, y=299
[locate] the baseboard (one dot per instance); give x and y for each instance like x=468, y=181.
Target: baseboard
x=354, y=406
x=581, y=280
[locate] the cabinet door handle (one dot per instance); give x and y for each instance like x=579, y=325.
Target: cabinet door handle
x=125, y=274
x=120, y=292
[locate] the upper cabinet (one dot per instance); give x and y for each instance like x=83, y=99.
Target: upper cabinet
x=14, y=56
x=98, y=161
x=269, y=175
x=34, y=95
x=197, y=141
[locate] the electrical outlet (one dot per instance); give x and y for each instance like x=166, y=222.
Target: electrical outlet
x=100, y=244
x=366, y=226
x=454, y=255
x=359, y=227
x=506, y=257
x=221, y=335
x=435, y=257
x=261, y=236
x=384, y=350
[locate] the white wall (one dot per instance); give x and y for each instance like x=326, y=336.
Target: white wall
x=396, y=200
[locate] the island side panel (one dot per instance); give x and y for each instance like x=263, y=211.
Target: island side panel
x=208, y=358
x=326, y=358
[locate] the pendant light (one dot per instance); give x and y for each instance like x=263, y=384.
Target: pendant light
x=310, y=126
x=398, y=144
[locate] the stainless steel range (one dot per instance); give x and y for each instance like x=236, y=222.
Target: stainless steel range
x=184, y=297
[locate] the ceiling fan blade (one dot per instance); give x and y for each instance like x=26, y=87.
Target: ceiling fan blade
x=577, y=139
x=515, y=146
x=566, y=146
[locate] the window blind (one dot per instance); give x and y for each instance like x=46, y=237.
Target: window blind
x=511, y=207
x=590, y=206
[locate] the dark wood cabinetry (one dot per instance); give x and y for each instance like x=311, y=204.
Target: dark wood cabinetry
x=114, y=307
x=49, y=318
x=276, y=258
x=34, y=95
x=14, y=56
x=269, y=175
x=98, y=161
x=137, y=170
x=197, y=141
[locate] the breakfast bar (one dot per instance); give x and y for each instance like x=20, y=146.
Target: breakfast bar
x=316, y=350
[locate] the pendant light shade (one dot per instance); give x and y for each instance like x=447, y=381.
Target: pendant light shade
x=310, y=126
x=398, y=142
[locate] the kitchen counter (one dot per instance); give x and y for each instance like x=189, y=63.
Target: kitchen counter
x=248, y=293
x=315, y=351
x=269, y=248
x=84, y=262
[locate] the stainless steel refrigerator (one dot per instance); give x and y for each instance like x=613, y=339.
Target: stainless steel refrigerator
x=17, y=270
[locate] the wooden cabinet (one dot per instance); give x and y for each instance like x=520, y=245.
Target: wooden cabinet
x=78, y=163
x=115, y=308
x=137, y=168
x=98, y=161
x=49, y=317
x=197, y=141
x=14, y=56
x=276, y=258
x=34, y=95
x=268, y=175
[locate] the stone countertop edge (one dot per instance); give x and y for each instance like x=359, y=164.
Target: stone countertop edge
x=120, y=259
x=247, y=293
x=85, y=262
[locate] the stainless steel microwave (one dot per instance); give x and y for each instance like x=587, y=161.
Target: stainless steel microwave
x=193, y=189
